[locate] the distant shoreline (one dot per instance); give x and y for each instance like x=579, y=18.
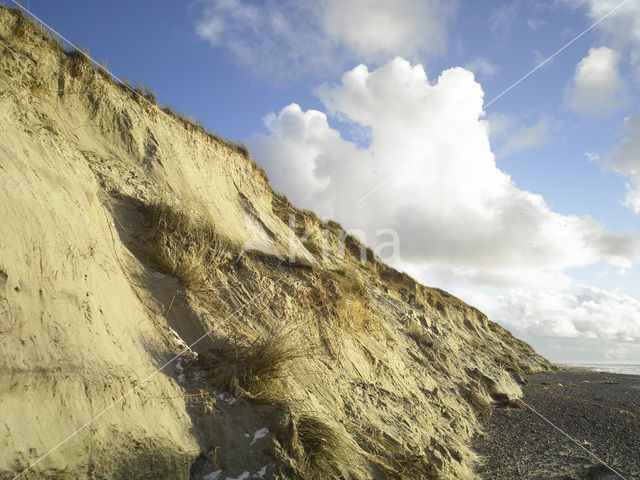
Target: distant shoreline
x=631, y=368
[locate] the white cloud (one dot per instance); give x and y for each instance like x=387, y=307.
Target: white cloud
x=597, y=88
x=482, y=66
x=625, y=160
x=536, y=23
x=379, y=29
x=587, y=313
x=527, y=137
x=504, y=18
x=450, y=204
x=296, y=37
x=621, y=28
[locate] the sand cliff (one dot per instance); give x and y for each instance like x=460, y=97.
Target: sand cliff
x=99, y=289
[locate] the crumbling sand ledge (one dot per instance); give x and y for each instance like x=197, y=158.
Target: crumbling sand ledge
x=89, y=308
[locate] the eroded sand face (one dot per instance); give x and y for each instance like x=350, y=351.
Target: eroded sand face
x=86, y=316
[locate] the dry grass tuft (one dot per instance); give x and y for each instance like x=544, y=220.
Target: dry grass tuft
x=329, y=453
x=478, y=403
x=508, y=361
x=183, y=242
x=394, y=460
x=136, y=90
x=350, y=282
x=259, y=368
x=420, y=335
x=312, y=245
x=80, y=66
x=194, y=124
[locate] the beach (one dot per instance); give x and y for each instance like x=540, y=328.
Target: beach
x=598, y=409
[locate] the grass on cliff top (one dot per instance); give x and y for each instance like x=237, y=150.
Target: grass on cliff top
x=83, y=69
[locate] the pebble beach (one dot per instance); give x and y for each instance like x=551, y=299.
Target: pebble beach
x=600, y=410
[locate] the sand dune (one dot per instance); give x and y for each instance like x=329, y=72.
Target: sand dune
x=120, y=234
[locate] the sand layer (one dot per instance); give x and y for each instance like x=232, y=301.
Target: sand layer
x=599, y=410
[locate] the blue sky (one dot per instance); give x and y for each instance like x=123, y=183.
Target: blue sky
x=559, y=135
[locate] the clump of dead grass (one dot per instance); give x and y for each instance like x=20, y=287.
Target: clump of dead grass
x=349, y=282
x=313, y=246
x=259, y=368
x=23, y=25
x=137, y=91
x=329, y=452
x=80, y=66
x=508, y=361
x=183, y=241
x=393, y=460
x=478, y=403
x=419, y=335
x=194, y=124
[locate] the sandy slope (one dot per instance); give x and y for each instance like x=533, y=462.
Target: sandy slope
x=85, y=316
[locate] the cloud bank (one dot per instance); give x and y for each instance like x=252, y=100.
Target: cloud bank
x=622, y=30
x=443, y=193
x=588, y=324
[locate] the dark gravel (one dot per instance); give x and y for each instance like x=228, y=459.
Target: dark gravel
x=599, y=410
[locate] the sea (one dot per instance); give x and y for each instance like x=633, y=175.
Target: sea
x=623, y=368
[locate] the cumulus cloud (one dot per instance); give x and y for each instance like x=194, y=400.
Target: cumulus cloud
x=625, y=160
x=597, y=88
x=447, y=199
x=288, y=37
x=379, y=29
